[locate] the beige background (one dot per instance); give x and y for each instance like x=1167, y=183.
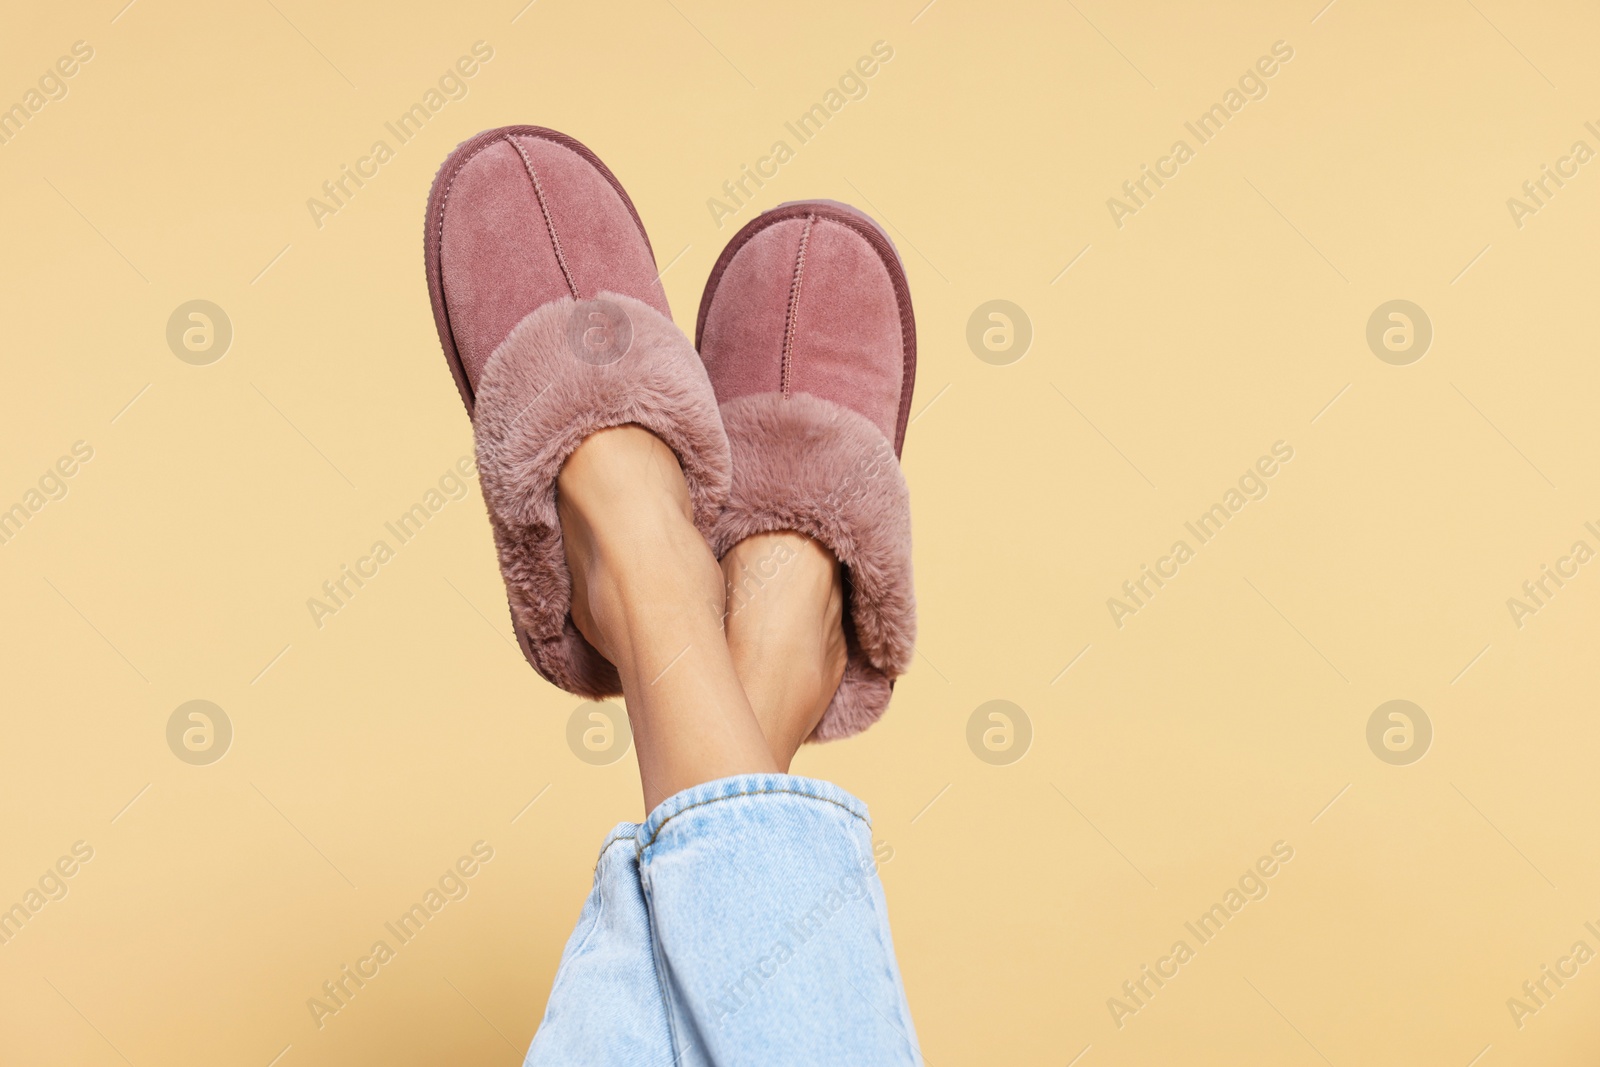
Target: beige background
x=1227, y=715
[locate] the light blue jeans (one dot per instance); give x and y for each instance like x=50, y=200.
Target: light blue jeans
x=743, y=923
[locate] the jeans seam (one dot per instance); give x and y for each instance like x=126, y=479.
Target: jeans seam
x=663, y=981
x=886, y=953
x=600, y=858
x=599, y=913
x=656, y=836
x=563, y=971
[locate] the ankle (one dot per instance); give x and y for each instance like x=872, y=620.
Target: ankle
x=624, y=483
x=642, y=603
x=785, y=633
x=648, y=594
x=640, y=569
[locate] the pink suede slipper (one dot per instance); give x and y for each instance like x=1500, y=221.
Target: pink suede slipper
x=554, y=323
x=806, y=330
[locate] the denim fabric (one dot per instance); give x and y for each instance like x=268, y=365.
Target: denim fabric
x=753, y=930
x=605, y=1005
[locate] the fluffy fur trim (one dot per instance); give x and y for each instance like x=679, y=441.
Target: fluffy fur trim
x=807, y=464
x=541, y=394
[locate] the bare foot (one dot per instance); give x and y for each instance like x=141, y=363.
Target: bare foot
x=646, y=592
x=785, y=604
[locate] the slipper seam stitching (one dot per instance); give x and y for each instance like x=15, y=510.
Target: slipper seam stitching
x=874, y=235
x=793, y=310
x=556, y=138
x=544, y=209
x=444, y=199
x=444, y=202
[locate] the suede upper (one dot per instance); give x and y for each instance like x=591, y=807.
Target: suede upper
x=806, y=305
x=525, y=220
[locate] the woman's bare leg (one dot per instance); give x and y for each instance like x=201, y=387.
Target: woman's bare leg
x=648, y=594
x=789, y=863
x=785, y=604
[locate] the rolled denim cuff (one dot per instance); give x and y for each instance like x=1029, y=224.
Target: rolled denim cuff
x=770, y=926
x=606, y=1004
x=741, y=788
x=623, y=831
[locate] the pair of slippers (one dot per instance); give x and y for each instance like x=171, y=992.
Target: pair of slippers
x=787, y=413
